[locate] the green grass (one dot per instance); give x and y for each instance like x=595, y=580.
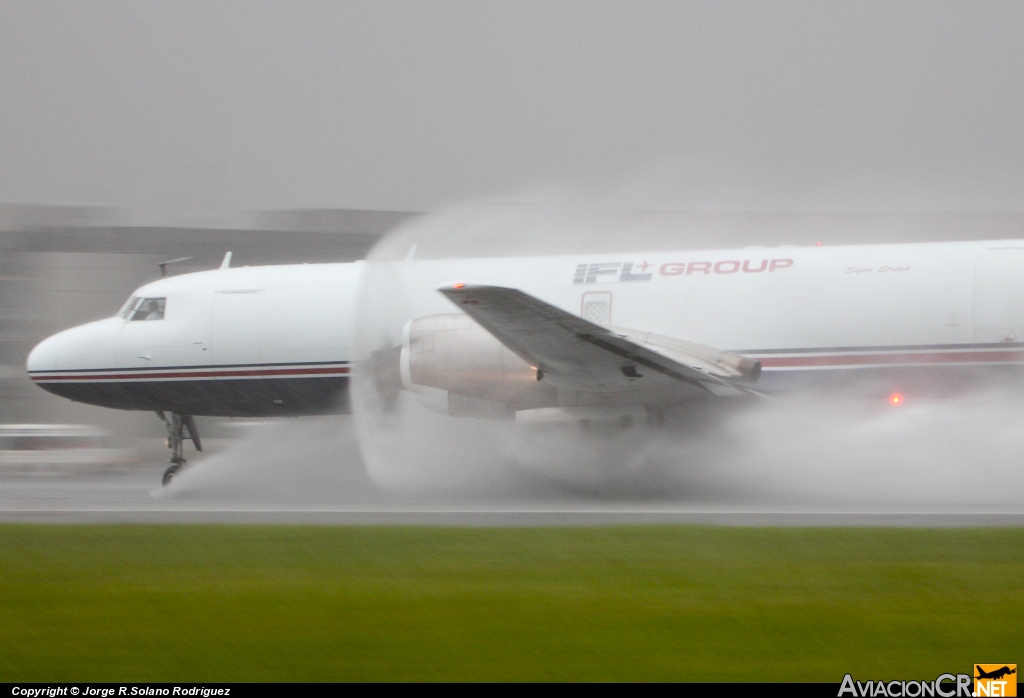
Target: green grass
x=663, y=603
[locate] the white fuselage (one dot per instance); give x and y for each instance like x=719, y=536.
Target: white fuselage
x=248, y=341
x=279, y=339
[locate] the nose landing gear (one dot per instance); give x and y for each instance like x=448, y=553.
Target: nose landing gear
x=179, y=428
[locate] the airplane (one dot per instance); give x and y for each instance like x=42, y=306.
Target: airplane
x=995, y=673
x=230, y=342
x=608, y=338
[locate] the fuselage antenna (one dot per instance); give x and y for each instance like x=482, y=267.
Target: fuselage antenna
x=163, y=265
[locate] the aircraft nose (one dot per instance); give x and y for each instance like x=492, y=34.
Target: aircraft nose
x=44, y=356
x=45, y=360
x=80, y=348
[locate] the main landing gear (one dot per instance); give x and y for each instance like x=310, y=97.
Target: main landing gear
x=179, y=428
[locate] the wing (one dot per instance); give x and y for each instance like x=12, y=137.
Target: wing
x=576, y=354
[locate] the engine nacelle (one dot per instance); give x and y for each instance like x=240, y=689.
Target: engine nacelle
x=478, y=375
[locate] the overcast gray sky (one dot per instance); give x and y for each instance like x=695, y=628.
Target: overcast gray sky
x=196, y=110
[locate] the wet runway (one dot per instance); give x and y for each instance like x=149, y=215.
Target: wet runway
x=136, y=496
x=309, y=471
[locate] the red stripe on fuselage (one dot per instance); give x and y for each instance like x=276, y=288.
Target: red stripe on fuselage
x=809, y=361
x=201, y=374
x=884, y=359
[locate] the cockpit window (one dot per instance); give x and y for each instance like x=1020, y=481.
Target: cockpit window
x=127, y=309
x=143, y=309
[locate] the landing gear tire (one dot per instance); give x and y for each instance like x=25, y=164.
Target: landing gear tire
x=179, y=428
x=171, y=471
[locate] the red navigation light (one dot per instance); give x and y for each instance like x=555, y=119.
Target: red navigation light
x=458, y=285
x=896, y=399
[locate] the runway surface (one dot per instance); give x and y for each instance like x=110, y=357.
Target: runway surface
x=262, y=479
